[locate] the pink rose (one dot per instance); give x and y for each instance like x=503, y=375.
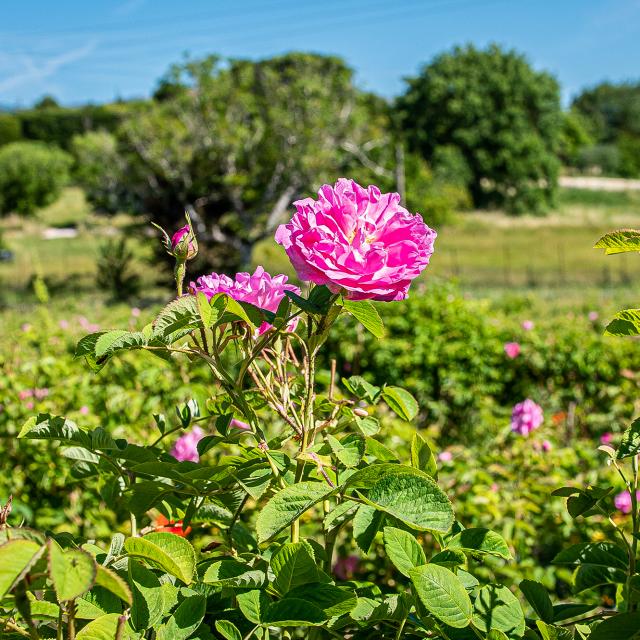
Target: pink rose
x=528, y=325
x=593, y=316
x=64, y=324
x=606, y=438
x=525, y=417
x=345, y=568
x=238, y=424
x=186, y=446
x=623, y=503
x=84, y=410
x=445, y=456
x=512, y=349
x=260, y=289
x=357, y=240
x=135, y=312
x=546, y=446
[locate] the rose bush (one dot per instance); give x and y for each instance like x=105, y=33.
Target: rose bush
x=279, y=479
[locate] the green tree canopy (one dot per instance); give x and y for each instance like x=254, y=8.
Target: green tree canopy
x=239, y=140
x=503, y=116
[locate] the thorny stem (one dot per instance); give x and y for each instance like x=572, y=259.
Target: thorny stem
x=14, y=627
x=71, y=620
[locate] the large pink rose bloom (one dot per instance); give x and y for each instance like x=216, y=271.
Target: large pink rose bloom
x=260, y=289
x=358, y=240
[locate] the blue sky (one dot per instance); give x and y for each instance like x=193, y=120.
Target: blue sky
x=96, y=51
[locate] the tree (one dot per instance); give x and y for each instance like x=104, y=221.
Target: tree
x=244, y=139
x=31, y=175
x=10, y=128
x=502, y=115
x=612, y=114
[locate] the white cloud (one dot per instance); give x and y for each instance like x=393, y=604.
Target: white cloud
x=35, y=71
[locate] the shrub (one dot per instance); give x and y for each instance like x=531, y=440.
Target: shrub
x=10, y=129
x=115, y=270
x=32, y=175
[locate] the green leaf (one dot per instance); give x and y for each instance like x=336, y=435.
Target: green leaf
x=16, y=558
x=73, y=572
x=415, y=500
x=551, y=632
x=293, y=612
x=379, y=451
x=228, y=630
x=624, y=323
x=401, y=402
x=623, y=626
x=619, y=241
x=630, y=444
x=567, y=611
x=391, y=608
x=403, y=550
x=167, y=551
x=103, y=628
x=366, y=314
x=230, y=572
x=496, y=607
x=339, y=515
x=366, y=524
x=118, y=340
x=113, y=583
x=605, y=554
x=148, y=605
x=480, y=540
x=179, y=315
x=538, y=597
x=332, y=600
x=185, y=619
x=442, y=593
x=360, y=388
x=253, y=604
x=366, y=477
x=349, y=450
x=294, y=564
x=287, y=505
x=44, y=426
x=421, y=455
x=318, y=302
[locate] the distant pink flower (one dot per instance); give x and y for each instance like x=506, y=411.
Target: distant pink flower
x=526, y=417
x=84, y=410
x=186, y=446
x=29, y=405
x=512, y=349
x=606, y=438
x=445, y=456
x=238, y=424
x=135, y=312
x=63, y=324
x=345, y=568
x=25, y=393
x=25, y=327
x=495, y=487
x=528, y=325
x=546, y=445
x=357, y=240
x=260, y=289
x=41, y=393
x=623, y=502
x=593, y=316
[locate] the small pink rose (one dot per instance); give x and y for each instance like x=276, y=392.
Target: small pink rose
x=528, y=325
x=512, y=349
x=186, y=446
x=135, y=312
x=84, y=410
x=606, y=438
x=25, y=327
x=593, y=316
x=63, y=324
x=445, y=456
x=183, y=243
x=345, y=568
x=526, y=417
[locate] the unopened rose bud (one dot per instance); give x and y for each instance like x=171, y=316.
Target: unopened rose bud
x=361, y=413
x=183, y=243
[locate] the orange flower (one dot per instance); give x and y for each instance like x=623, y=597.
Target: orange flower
x=162, y=524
